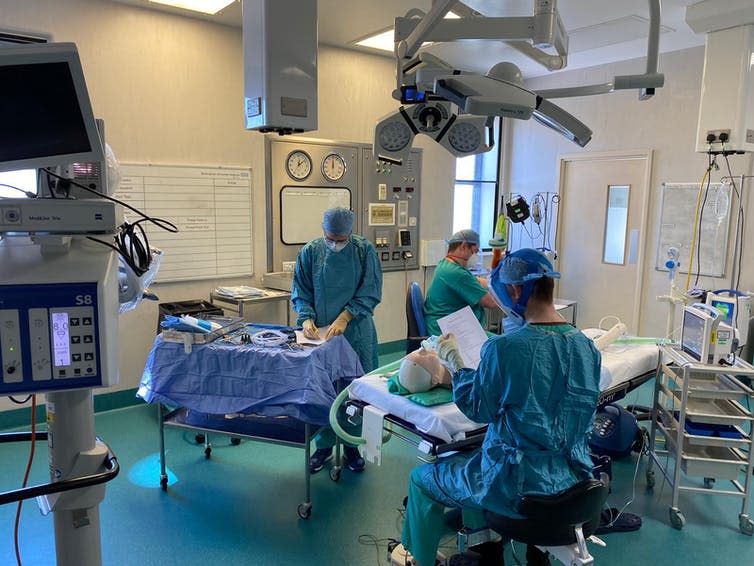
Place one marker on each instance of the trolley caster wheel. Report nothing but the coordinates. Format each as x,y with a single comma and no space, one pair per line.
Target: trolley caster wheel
746,525
709,483
199,438
650,479
235,441
677,520
305,510
164,483
207,452
335,473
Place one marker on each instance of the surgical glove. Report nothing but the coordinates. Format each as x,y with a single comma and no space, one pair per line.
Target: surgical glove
310,330
449,353
338,326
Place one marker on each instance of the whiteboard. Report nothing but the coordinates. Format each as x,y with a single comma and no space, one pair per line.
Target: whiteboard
301,210
677,224
211,208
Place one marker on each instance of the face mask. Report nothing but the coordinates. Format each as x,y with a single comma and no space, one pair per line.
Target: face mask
512,321
335,246
473,261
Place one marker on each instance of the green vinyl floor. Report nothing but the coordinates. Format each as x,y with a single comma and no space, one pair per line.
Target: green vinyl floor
240,507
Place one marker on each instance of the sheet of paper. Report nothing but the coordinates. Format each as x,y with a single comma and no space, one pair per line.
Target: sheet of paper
469,333
301,339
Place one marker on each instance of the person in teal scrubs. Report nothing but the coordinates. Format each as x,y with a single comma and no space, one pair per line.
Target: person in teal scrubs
454,286
537,388
338,283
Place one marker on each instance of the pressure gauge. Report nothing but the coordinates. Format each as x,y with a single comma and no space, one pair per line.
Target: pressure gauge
333,167
298,165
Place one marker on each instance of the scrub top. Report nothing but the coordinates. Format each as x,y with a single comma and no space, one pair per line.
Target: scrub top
453,287
326,282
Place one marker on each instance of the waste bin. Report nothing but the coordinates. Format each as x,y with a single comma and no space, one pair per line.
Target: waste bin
193,307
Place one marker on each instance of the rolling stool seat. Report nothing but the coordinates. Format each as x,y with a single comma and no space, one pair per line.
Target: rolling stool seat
558,524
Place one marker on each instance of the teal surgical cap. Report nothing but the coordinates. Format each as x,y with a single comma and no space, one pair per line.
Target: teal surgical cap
468,235
338,221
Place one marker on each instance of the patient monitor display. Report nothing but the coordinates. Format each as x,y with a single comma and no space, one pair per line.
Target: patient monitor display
694,333
45,113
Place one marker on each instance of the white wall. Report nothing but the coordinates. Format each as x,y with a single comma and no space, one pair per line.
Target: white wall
170,91
665,124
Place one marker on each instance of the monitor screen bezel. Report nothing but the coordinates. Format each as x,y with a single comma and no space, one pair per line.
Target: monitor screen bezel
703,321
732,302
67,53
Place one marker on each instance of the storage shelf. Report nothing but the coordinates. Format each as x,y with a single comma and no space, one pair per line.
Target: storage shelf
715,441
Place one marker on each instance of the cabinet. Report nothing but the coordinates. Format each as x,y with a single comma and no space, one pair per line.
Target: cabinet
702,420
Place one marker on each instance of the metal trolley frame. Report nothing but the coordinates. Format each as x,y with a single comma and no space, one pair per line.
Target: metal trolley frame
265,431
706,430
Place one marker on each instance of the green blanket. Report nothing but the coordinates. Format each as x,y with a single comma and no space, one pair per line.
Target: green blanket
435,396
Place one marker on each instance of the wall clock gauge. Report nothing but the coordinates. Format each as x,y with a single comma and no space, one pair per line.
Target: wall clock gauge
333,167
298,165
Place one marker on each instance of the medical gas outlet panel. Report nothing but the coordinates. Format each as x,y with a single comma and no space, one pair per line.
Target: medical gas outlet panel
390,204
306,176
49,337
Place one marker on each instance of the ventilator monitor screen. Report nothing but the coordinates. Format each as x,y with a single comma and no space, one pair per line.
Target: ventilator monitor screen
726,308
692,334
45,114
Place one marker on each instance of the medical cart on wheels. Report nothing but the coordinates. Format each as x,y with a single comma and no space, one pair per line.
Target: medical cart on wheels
706,429
283,431
222,383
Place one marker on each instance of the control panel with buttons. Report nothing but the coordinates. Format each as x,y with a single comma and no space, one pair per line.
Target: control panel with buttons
49,337
391,203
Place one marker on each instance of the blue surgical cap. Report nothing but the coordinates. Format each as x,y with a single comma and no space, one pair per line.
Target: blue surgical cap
525,265
522,267
468,235
338,221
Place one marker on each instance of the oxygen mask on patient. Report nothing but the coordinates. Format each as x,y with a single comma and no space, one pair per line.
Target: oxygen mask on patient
421,370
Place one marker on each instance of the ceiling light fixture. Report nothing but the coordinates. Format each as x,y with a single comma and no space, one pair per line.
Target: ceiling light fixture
384,40
210,7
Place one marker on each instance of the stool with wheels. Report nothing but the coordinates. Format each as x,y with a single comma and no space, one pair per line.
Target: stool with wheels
559,525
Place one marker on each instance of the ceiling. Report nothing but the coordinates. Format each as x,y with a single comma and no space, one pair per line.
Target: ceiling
600,31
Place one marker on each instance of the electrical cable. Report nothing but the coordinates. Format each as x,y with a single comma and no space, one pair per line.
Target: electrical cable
741,216
26,476
699,241
159,222
371,540
17,402
131,241
696,226
27,193
633,488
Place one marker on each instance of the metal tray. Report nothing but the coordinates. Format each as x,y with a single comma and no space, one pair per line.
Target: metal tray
713,462
228,324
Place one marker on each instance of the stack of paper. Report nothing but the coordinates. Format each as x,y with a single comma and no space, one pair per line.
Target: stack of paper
469,334
240,292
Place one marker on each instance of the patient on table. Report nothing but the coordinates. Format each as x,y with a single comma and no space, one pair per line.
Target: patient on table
421,370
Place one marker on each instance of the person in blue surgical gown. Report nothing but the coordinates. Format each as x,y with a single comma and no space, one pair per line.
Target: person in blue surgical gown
537,387
338,283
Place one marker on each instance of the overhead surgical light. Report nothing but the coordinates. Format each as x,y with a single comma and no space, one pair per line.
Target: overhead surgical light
430,84
460,135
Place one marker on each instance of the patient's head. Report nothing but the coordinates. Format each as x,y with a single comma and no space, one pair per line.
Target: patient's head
421,370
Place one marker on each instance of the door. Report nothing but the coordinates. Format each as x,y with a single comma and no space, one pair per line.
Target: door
601,233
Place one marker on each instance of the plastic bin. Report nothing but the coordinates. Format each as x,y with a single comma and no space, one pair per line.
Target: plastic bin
193,307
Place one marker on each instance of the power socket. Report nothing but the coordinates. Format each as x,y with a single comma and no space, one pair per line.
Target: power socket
717,133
